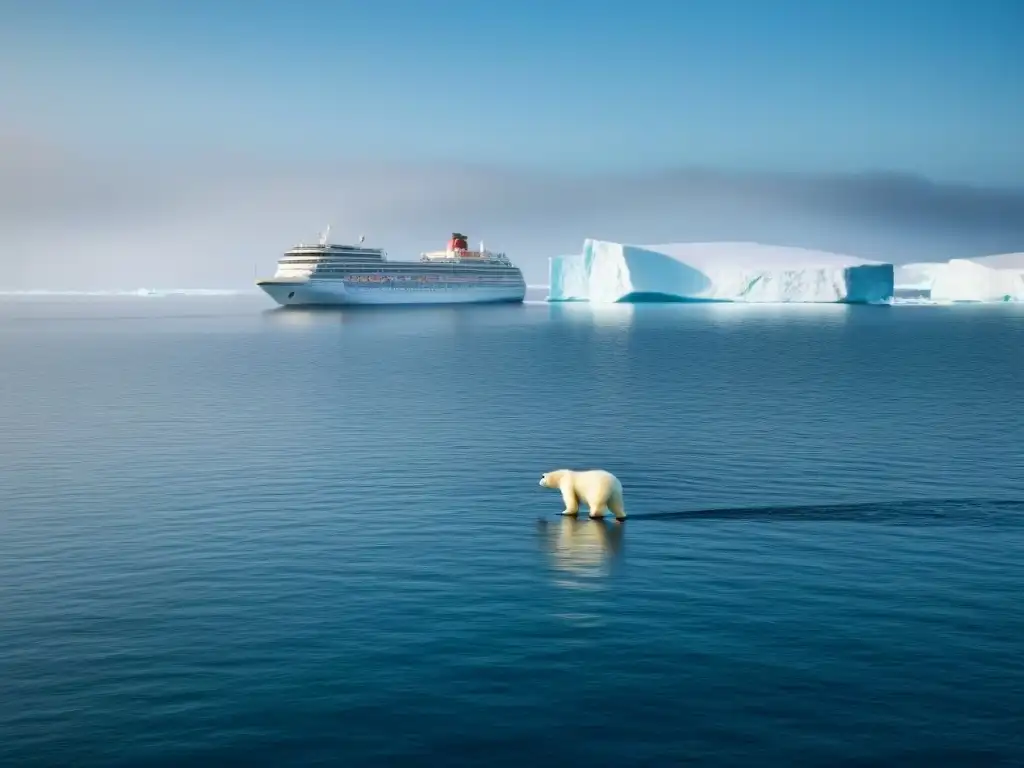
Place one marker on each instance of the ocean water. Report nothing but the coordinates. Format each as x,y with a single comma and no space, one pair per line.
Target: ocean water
237,535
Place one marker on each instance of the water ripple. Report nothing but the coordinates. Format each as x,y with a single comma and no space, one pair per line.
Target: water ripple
236,536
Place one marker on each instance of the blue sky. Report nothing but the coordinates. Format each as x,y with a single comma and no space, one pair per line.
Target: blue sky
931,87
545,90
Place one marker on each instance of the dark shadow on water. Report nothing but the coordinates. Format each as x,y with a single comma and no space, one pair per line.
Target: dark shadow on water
665,298
642,297
906,512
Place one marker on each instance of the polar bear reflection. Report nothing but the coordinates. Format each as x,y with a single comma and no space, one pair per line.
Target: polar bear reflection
582,547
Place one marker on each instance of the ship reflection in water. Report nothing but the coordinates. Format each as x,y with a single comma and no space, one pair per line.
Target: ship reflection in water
582,547
415,318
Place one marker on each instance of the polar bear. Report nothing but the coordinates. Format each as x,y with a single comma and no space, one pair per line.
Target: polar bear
599,489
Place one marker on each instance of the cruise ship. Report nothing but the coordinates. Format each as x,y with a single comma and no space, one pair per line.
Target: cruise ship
329,274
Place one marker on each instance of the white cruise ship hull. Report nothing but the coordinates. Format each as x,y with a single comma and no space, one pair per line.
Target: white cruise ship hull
313,292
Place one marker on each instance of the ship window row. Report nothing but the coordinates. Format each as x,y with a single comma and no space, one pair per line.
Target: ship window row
436,276
403,265
411,269
331,261
398,278
431,268
418,269
338,252
441,276
424,269
515,277
343,256
377,269
436,284
372,257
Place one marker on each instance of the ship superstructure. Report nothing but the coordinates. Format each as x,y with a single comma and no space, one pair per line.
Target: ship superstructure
331,274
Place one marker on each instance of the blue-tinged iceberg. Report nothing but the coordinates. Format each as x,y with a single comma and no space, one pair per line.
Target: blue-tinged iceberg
983,280
606,273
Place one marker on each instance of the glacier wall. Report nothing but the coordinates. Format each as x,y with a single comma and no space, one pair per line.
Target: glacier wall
986,279
607,272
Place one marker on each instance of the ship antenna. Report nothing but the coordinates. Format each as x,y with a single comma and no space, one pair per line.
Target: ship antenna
323,237
361,239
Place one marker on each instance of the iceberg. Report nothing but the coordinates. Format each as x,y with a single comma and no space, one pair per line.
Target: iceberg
985,279
607,272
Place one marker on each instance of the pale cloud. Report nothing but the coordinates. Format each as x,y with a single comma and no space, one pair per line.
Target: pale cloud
69,220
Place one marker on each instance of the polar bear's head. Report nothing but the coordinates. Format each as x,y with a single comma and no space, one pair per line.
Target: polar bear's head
552,479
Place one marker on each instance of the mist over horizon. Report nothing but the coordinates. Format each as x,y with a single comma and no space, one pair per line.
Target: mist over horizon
70,221
145,145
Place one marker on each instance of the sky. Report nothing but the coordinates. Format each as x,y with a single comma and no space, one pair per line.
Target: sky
189,142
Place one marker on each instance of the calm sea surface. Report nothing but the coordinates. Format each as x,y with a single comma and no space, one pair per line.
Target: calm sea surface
231,534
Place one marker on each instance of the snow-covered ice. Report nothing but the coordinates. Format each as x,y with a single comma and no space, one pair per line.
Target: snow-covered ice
607,272
985,279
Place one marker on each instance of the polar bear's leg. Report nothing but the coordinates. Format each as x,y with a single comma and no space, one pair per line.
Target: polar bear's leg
616,506
572,505
597,509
